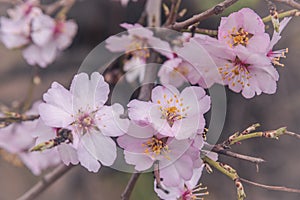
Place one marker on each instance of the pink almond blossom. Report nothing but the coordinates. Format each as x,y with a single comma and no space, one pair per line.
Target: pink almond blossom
244,28
275,55
176,72
15,30
49,37
172,113
137,43
186,190
143,146
92,123
18,139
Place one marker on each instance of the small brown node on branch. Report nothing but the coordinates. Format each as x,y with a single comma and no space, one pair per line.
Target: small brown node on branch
218,9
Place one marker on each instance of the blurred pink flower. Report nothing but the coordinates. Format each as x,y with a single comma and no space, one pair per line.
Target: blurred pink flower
49,37
15,30
172,113
143,146
82,110
244,28
175,72
18,139
137,44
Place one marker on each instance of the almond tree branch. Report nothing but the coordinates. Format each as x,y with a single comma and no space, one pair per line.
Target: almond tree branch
288,13
245,135
221,150
130,186
173,12
292,134
15,117
291,3
270,187
202,31
46,181
229,172
204,15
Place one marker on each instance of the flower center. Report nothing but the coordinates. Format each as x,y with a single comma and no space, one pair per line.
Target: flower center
236,74
183,70
240,36
172,114
59,27
138,48
84,122
174,110
155,147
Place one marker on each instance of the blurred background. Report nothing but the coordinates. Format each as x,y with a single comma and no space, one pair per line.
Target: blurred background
98,20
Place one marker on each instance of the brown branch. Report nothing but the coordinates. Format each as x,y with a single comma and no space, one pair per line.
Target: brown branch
292,134
204,15
130,186
201,31
270,187
18,118
46,181
291,3
221,150
173,12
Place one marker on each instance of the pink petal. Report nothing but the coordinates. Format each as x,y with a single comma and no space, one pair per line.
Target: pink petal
100,147
140,161
87,160
110,122
68,154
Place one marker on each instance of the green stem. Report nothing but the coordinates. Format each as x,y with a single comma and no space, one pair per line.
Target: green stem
229,172
288,13
267,134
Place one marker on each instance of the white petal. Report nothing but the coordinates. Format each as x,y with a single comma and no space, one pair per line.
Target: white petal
101,147
87,160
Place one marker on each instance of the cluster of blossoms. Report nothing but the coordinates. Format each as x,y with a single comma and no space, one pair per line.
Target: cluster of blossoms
40,36
242,56
17,139
164,133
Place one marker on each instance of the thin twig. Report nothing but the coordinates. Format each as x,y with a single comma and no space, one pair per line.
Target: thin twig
19,118
288,13
292,134
204,15
173,12
221,150
130,186
46,181
230,173
202,31
271,187
238,137
291,3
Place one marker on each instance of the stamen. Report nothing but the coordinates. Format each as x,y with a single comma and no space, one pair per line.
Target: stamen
156,147
241,37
